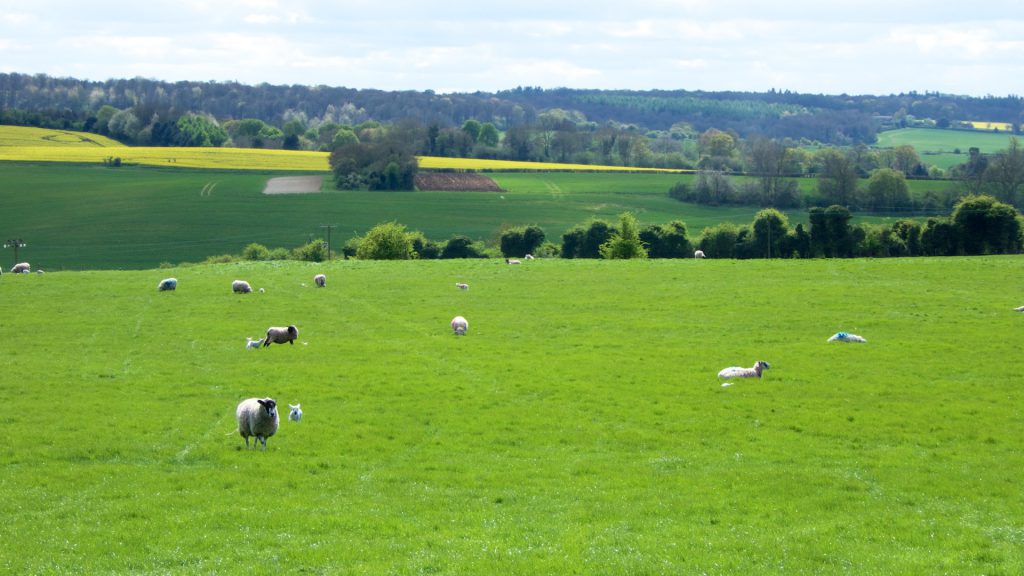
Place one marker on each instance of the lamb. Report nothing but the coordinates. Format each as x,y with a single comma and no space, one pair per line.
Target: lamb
698,254
21,268
846,337
280,335
167,284
462,286
460,325
739,372
251,344
296,414
241,287
508,261
257,417
320,280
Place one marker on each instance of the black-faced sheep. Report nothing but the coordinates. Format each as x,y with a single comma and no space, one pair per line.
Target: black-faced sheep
462,286
460,325
739,372
167,284
320,280
846,337
257,417
241,287
280,335
512,261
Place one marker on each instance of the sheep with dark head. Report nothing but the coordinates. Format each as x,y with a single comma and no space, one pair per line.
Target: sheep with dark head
21,268
320,280
167,284
241,287
280,335
257,417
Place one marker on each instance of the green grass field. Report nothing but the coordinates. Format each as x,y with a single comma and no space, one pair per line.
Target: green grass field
578,428
937,147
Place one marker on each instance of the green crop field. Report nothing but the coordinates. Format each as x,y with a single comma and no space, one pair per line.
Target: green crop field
938,147
579,427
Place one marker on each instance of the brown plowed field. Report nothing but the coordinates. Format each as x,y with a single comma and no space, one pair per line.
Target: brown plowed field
455,182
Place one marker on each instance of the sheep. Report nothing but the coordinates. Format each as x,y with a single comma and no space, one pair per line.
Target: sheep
257,417
698,254
462,286
251,344
262,290
508,261
241,287
460,325
1019,309
21,268
167,284
296,413
320,280
280,335
739,372
846,337
528,257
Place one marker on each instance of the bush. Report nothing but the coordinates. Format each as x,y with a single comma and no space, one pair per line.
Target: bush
279,254
256,252
315,251
462,247
387,241
520,241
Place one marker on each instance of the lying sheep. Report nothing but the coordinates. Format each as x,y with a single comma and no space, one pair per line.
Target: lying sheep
460,325
167,284
296,413
320,280
462,286
251,344
21,268
241,287
528,257
280,335
508,261
1019,309
739,372
698,254
846,337
257,417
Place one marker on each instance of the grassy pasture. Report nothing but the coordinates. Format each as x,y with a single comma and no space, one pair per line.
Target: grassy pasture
578,428
937,146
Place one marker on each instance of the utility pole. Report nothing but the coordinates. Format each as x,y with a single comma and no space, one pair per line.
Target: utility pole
15,244
329,228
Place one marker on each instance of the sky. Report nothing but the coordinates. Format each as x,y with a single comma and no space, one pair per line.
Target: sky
809,46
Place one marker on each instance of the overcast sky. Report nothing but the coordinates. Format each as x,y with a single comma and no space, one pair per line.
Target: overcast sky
811,46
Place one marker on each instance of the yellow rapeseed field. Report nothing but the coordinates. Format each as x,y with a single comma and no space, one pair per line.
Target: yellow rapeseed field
1001,126
29,136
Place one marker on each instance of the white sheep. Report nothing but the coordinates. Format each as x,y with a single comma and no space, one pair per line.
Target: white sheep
257,417
528,257
280,335
241,287
262,290
846,337
508,261
739,372
21,268
698,254
1019,309
167,284
320,280
296,413
251,344
460,325
462,286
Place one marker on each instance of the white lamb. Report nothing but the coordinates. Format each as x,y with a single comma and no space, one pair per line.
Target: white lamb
846,337
460,325
698,254
280,335
739,372
320,280
257,417
462,286
296,413
251,344
241,287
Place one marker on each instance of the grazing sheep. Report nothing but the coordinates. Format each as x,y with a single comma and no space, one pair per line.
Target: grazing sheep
698,254
528,257
507,261
241,287
21,268
280,335
296,414
846,337
460,325
462,286
739,372
320,280
251,344
1019,309
257,417
167,284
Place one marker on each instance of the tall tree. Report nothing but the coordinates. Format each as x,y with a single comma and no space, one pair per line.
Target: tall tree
837,182
625,244
1004,174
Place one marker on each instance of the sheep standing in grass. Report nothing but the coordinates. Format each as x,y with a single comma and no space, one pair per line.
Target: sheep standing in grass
320,280
460,325
251,344
739,372
241,287
846,337
21,268
296,412
167,284
698,254
257,417
280,335
462,286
